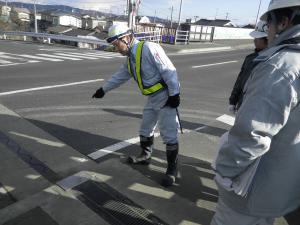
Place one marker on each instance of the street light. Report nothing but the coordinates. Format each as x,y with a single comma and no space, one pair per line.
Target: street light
35,19
258,12
179,13
171,21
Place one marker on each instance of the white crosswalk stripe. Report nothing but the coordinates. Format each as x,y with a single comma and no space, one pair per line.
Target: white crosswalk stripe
13,59
88,55
59,57
5,61
42,58
100,54
2,56
82,56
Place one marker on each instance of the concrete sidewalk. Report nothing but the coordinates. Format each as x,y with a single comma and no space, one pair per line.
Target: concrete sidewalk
44,181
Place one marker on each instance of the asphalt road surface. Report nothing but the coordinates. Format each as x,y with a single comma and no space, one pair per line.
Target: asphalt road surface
46,90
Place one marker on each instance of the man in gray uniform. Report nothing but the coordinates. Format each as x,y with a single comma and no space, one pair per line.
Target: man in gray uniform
266,132
157,78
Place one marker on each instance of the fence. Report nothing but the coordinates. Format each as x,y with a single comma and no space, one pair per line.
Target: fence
182,37
154,36
201,33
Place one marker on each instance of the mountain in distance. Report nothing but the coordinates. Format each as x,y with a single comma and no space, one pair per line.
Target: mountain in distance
58,8
72,10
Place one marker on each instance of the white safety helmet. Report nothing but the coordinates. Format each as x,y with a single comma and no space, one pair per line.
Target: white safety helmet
261,30
280,4
117,31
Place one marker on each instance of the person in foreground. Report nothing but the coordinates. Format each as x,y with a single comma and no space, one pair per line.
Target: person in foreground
266,132
260,42
157,79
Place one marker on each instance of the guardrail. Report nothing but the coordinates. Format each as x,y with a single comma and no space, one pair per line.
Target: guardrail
154,36
49,37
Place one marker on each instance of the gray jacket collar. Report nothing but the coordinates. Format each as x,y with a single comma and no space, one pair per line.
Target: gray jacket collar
288,34
275,45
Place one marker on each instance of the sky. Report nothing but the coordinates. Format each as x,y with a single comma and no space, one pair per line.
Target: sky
238,11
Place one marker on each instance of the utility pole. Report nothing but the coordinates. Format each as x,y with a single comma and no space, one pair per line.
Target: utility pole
258,12
196,17
179,13
35,19
171,24
6,3
216,13
127,8
132,14
154,16
227,15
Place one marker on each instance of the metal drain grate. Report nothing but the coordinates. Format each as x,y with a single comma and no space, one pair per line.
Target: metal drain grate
115,208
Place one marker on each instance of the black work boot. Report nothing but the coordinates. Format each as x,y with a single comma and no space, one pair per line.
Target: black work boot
144,158
172,170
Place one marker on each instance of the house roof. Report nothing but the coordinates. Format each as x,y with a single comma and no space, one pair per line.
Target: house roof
216,22
59,29
65,14
58,13
22,10
101,36
78,32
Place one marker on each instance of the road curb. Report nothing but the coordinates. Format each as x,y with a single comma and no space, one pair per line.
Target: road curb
205,49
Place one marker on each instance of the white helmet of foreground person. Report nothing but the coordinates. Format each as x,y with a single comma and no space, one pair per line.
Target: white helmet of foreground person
280,4
261,30
117,31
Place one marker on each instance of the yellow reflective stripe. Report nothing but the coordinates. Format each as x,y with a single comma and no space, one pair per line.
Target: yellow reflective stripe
145,91
138,65
129,66
152,89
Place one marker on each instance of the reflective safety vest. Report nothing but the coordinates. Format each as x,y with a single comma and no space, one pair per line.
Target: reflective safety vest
145,90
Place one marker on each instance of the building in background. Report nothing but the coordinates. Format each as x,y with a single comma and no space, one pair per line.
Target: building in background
22,14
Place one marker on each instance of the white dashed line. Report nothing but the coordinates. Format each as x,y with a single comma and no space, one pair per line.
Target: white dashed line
227,119
214,64
112,148
49,87
41,58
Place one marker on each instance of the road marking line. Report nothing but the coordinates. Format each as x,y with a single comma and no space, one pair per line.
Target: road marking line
214,64
56,49
5,61
110,54
75,56
15,64
227,119
10,57
120,145
41,58
59,57
49,87
115,147
89,55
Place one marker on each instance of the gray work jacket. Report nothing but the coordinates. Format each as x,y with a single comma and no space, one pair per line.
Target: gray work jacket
155,66
268,126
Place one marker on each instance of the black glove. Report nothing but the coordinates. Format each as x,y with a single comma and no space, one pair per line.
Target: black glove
99,93
173,101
